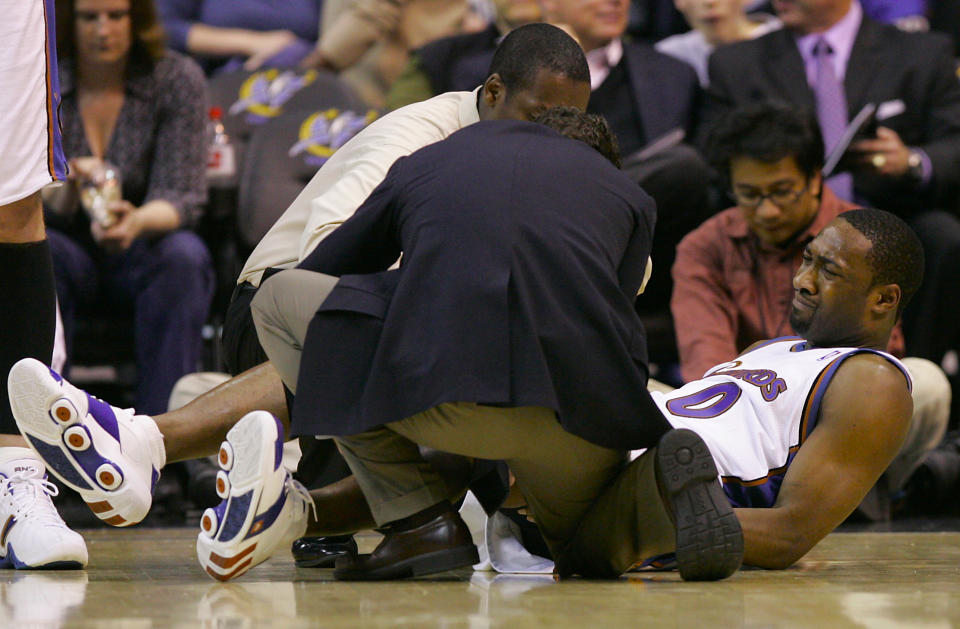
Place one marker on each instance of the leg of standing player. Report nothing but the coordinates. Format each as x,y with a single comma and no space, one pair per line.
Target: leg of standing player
31,157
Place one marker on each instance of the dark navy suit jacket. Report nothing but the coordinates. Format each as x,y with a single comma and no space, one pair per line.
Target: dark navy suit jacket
522,254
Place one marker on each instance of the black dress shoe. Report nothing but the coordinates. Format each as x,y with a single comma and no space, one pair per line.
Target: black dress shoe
322,552
709,537
441,543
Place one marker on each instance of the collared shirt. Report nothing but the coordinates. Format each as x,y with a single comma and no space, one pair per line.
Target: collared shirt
730,290
159,140
348,178
600,60
840,37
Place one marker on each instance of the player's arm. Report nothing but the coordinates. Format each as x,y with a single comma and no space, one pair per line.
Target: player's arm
863,421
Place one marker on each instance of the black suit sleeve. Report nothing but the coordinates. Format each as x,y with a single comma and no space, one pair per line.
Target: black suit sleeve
367,242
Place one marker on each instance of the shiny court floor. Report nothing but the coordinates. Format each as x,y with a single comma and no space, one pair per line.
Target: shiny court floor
149,578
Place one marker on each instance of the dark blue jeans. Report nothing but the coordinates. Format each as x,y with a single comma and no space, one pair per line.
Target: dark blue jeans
166,283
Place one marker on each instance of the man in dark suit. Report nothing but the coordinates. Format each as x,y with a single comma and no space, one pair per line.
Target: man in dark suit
507,333
643,94
912,165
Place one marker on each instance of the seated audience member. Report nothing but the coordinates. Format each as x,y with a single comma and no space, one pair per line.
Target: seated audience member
732,274
832,59
128,102
367,41
459,62
232,34
714,23
645,96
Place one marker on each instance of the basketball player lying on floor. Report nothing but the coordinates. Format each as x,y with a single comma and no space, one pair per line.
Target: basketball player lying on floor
800,428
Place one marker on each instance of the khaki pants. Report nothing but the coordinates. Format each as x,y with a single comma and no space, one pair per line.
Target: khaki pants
560,474
931,413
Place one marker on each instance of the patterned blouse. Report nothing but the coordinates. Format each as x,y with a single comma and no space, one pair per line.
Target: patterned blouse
160,138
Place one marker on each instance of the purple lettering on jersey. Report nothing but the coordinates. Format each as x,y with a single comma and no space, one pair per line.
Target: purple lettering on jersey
766,379
720,397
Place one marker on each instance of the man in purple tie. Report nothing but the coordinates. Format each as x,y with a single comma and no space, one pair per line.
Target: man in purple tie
833,60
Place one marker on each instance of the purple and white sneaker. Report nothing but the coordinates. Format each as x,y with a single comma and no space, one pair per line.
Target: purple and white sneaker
110,456
263,508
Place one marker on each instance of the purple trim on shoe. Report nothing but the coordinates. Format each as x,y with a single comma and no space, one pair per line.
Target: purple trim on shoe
55,375
154,478
12,561
103,414
6,529
278,445
268,517
236,515
54,457
90,460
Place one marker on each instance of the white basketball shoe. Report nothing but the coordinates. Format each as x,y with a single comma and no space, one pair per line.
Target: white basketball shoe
110,456
263,508
32,534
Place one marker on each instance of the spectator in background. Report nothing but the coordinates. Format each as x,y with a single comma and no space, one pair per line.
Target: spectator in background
832,59
367,41
714,23
646,97
732,275
460,62
129,102
230,34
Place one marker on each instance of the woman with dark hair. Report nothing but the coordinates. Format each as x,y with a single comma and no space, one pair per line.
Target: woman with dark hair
128,102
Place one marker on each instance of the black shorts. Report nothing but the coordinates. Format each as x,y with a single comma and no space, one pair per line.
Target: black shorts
241,347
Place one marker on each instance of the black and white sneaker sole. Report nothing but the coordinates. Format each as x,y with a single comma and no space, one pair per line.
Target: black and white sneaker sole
709,537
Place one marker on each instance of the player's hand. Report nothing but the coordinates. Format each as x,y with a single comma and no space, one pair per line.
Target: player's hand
265,45
885,155
120,234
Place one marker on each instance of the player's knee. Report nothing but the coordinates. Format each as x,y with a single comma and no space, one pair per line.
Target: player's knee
22,221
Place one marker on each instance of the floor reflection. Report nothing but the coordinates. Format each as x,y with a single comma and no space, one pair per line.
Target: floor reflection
145,579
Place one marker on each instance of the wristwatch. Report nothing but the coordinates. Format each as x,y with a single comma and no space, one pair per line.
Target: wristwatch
915,165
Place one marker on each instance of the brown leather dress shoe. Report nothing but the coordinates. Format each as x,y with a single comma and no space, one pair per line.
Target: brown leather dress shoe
442,543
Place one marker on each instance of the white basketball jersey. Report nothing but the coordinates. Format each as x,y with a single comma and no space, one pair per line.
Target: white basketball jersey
755,412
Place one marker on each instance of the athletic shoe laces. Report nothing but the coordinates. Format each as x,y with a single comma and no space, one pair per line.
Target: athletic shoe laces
300,490
29,497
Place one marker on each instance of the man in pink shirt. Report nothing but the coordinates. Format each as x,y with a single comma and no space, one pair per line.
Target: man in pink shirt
733,274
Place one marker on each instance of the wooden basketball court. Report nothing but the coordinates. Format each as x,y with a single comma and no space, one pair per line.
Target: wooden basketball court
149,578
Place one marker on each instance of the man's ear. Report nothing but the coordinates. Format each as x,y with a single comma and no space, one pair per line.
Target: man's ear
886,299
494,91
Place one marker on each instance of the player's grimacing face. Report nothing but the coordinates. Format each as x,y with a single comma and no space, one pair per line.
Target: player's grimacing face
832,286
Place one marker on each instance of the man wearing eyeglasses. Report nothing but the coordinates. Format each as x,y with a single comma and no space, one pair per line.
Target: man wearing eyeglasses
732,275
